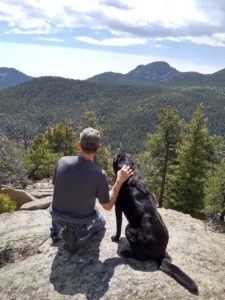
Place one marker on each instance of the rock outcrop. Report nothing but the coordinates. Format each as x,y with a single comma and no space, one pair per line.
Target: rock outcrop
33,268
37,204
20,197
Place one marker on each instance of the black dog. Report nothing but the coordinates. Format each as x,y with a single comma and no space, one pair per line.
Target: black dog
146,232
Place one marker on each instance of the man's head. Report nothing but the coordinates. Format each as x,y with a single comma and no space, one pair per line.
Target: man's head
90,140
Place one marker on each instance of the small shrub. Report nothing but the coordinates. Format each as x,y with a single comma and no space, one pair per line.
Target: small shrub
6,204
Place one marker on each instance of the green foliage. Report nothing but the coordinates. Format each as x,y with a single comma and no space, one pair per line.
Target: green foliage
47,148
149,169
6,204
186,188
39,160
216,150
104,160
127,113
89,119
215,190
160,149
61,139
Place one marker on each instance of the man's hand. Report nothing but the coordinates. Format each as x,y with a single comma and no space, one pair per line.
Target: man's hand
123,174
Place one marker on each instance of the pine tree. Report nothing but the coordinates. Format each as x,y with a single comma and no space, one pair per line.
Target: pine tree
39,160
61,139
47,148
160,149
186,188
215,191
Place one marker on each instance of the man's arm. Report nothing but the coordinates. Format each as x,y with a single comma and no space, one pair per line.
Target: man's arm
122,176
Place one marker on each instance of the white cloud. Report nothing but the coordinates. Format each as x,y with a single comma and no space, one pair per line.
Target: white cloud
215,40
27,32
51,40
112,41
198,21
116,3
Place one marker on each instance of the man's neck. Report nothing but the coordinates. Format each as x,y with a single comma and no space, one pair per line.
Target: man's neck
88,156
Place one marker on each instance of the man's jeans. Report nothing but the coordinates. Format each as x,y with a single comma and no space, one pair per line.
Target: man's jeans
85,230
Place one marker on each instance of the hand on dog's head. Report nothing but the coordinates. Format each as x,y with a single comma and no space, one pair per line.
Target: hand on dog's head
121,159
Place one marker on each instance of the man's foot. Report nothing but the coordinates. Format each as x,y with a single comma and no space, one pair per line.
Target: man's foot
55,237
70,240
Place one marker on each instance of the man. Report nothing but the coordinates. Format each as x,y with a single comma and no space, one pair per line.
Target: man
78,181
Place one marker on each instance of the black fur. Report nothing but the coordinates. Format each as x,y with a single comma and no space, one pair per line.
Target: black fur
146,232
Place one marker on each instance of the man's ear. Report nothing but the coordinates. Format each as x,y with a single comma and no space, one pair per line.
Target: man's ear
78,146
99,147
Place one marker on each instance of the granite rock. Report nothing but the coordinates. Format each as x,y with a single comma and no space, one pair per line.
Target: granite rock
96,271
20,197
37,204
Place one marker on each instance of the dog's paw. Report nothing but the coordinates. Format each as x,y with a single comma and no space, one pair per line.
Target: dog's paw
115,239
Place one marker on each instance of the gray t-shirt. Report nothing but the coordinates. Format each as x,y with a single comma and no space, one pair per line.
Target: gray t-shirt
77,184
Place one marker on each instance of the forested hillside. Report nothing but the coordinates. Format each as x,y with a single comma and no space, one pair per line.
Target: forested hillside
10,77
127,113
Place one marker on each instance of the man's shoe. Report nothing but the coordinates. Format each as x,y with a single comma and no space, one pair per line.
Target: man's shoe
55,237
70,240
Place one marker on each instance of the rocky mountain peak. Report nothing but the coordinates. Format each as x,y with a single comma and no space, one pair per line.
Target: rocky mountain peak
156,71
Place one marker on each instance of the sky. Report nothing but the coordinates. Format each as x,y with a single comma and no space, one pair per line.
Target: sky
81,38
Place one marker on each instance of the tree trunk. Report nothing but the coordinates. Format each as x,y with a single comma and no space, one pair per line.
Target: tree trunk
222,216
162,188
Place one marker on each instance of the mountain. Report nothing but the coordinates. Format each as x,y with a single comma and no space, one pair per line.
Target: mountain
127,113
155,72
108,77
160,73
10,77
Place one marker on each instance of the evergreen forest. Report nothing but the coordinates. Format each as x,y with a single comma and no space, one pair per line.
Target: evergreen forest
174,134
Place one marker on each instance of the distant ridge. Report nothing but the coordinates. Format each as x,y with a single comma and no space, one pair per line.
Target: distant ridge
126,112
160,73
10,77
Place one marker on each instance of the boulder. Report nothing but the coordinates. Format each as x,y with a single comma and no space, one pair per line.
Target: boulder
18,196
39,194
96,271
37,204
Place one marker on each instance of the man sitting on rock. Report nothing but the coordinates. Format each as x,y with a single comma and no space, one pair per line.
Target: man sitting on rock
78,181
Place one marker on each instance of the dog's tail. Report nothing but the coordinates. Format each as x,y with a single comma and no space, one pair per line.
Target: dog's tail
176,273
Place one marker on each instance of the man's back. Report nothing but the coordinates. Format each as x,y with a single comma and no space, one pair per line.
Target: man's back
77,184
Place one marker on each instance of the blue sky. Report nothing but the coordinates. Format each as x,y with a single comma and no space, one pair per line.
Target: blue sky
81,38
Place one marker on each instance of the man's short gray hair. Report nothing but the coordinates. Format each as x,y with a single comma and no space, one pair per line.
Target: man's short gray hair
90,139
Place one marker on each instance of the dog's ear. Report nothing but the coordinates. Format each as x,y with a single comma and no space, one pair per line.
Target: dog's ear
131,162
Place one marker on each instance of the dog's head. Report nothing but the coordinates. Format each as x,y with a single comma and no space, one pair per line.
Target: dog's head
121,159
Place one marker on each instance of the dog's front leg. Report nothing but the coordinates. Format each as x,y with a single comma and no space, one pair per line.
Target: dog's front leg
116,237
